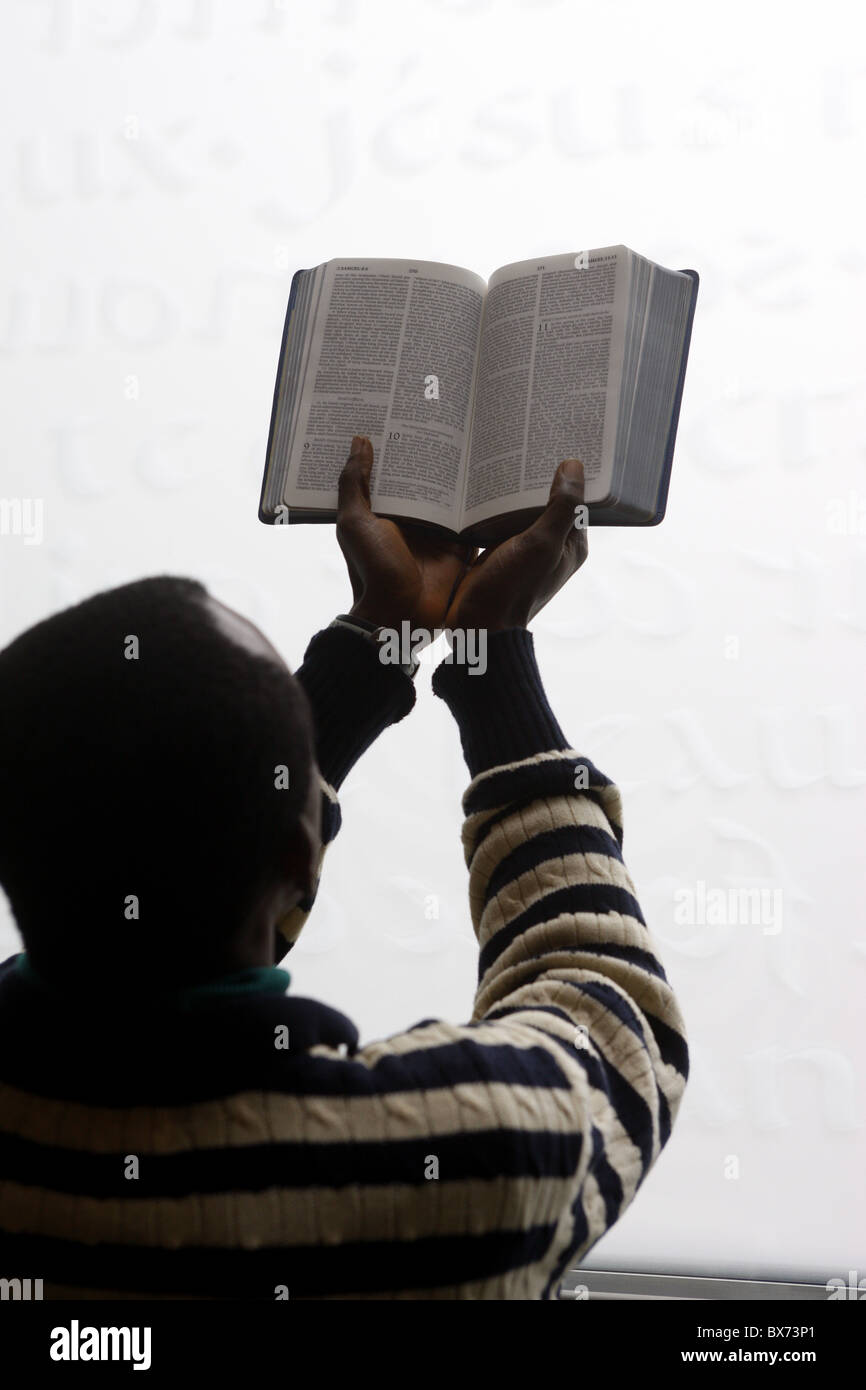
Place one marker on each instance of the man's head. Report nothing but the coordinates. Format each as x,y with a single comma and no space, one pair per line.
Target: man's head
159,801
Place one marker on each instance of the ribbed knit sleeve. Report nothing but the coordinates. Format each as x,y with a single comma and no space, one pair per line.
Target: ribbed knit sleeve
573,1003
353,695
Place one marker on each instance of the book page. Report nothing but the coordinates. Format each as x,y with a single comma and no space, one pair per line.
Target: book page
549,373
392,355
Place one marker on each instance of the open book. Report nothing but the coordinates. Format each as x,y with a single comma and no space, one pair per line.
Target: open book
472,392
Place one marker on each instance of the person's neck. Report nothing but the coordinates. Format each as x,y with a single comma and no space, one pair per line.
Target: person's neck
242,980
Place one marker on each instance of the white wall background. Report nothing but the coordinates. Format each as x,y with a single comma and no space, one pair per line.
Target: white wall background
167,166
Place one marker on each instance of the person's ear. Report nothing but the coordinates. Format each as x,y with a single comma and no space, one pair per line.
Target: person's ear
301,858
303,862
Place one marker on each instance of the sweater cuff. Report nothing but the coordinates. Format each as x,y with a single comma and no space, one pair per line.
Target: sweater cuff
502,713
353,697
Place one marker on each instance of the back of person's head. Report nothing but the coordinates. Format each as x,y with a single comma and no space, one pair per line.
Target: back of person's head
143,806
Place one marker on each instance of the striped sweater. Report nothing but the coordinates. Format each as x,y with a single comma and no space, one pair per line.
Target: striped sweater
236,1141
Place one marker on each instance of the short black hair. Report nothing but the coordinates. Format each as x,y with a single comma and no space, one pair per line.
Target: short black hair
140,750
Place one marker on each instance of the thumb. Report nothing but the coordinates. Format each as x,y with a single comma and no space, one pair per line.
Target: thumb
566,493
353,488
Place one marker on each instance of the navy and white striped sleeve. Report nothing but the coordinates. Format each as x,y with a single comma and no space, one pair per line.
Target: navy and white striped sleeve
572,998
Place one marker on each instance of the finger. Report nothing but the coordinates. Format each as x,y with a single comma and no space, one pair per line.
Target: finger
353,488
469,562
458,580
557,522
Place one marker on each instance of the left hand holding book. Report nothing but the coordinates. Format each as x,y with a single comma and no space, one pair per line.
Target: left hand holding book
404,573
398,572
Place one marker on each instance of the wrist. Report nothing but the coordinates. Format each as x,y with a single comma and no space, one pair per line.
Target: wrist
479,622
502,710
360,616
353,698
370,631
375,615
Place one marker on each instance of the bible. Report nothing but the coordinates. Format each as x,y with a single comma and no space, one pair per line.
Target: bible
473,391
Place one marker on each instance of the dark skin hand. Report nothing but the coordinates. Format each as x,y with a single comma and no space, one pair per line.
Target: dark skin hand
512,581
404,572
397,571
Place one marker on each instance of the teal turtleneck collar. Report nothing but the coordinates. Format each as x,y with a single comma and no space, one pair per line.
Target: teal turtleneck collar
255,979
